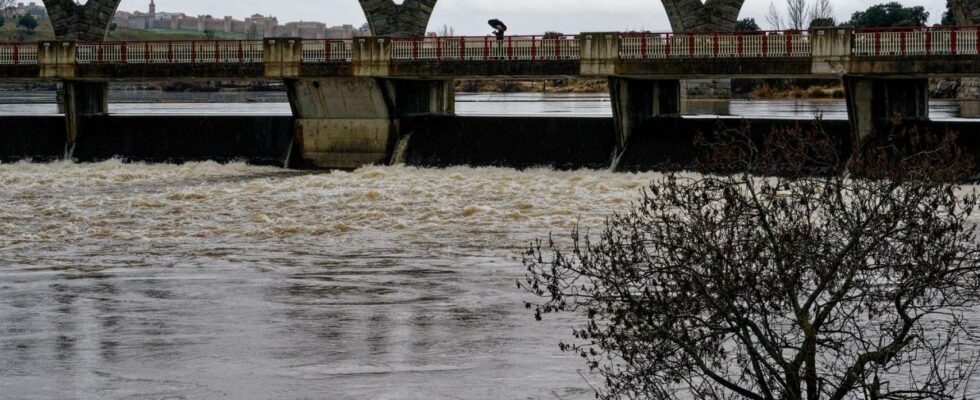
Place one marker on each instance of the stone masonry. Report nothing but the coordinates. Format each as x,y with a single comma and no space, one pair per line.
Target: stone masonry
88,22
389,19
712,15
967,12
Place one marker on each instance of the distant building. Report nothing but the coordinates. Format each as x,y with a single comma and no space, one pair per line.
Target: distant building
22,9
255,27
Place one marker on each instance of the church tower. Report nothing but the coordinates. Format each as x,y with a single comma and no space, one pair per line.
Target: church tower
153,10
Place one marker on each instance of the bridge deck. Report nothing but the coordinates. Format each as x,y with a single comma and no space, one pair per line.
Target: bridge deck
942,51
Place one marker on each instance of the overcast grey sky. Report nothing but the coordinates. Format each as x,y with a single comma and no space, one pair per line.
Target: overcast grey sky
468,17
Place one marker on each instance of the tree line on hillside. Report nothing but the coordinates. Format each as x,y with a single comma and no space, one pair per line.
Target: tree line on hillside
805,14
27,21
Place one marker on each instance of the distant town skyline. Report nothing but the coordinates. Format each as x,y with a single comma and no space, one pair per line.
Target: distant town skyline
468,17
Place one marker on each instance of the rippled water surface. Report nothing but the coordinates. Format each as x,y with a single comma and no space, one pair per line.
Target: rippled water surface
134,102
205,281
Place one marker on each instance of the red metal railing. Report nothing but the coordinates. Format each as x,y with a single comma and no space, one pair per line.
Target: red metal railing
917,41
170,52
327,50
468,48
18,53
751,44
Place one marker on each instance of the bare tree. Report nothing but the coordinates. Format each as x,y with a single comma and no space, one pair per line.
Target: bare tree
808,283
800,14
822,9
797,14
774,18
4,4
446,31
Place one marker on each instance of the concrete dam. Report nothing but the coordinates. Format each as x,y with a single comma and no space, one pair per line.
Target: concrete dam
388,98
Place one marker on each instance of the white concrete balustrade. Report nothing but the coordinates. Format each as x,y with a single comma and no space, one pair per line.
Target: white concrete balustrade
715,45
322,51
170,52
18,53
918,42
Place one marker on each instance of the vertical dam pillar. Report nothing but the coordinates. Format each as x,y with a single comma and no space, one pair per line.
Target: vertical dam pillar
76,98
350,122
637,101
873,103
76,22
347,123
80,99
707,16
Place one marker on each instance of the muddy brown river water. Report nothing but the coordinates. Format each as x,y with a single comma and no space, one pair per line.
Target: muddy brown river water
232,281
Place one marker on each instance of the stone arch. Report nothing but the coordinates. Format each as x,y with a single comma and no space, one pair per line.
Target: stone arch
712,15
386,18
88,22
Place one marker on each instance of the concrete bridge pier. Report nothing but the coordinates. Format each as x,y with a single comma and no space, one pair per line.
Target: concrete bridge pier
873,103
637,101
79,99
347,123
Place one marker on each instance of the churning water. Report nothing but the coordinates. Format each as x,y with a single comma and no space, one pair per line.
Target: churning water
205,280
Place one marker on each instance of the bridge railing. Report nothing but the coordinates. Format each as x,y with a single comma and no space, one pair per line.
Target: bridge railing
922,41
18,53
765,44
329,50
170,52
509,48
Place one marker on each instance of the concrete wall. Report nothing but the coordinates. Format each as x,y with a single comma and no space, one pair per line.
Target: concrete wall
518,142
38,138
351,122
260,140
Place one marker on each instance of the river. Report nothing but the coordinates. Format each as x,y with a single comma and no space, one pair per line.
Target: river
136,102
202,280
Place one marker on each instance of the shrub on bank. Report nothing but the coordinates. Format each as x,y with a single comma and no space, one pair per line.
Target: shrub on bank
784,271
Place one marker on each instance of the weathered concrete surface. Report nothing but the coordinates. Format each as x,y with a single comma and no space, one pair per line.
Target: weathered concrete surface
897,66
386,18
635,101
519,142
89,22
254,139
37,138
515,142
873,103
668,143
263,140
81,99
720,67
20,72
555,69
120,72
351,122
965,13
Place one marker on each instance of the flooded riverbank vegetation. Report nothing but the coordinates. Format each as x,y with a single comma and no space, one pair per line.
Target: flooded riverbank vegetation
786,269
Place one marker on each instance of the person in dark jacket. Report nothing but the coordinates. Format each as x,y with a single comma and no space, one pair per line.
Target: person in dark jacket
499,31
